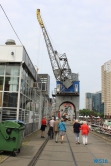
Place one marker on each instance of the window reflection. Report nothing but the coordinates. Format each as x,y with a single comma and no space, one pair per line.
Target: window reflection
24,102
10,99
1,83
0,99
13,69
2,67
11,83
21,101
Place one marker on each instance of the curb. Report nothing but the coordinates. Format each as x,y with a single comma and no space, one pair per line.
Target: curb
100,136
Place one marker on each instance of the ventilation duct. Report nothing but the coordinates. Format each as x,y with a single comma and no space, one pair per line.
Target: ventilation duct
10,42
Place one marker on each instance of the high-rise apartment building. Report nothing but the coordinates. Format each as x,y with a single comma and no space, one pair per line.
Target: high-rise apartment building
97,105
88,101
93,102
106,87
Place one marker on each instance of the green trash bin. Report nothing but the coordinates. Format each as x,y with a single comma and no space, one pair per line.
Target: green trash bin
11,136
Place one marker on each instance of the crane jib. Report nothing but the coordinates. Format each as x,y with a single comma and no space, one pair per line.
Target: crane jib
59,62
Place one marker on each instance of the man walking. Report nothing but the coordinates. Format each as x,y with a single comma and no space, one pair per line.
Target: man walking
51,123
56,129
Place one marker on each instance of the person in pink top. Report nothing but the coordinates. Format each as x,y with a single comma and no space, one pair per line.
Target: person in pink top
84,131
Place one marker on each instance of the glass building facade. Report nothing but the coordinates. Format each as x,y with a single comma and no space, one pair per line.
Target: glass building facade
19,100
97,105
93,102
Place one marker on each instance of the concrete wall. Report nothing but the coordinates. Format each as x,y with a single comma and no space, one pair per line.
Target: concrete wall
71,99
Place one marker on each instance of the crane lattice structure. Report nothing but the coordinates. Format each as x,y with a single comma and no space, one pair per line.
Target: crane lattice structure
59,62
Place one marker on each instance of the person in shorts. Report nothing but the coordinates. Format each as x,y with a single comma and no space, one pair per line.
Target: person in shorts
62,129
43,126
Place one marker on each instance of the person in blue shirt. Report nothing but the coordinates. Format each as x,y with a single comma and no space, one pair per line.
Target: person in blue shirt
62,129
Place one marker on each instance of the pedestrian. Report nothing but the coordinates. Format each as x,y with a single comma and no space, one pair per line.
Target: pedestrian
62,129
51,123
43,126
56,129
84,131
76,129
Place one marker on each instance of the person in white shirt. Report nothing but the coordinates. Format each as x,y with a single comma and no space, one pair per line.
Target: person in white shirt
51,123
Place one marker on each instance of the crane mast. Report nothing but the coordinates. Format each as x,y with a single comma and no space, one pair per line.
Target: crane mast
58,61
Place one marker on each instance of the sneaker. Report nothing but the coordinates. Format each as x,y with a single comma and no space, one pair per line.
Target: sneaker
78,142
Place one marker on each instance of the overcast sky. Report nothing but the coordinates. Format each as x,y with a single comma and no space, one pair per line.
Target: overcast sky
79,28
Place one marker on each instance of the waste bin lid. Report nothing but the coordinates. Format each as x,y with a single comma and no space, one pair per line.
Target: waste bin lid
11,124
18,121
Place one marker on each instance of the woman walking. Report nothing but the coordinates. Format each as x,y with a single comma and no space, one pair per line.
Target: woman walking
76,128
84,132
62,129
56,129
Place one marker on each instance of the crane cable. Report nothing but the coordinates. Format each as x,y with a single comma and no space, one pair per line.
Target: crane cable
10,24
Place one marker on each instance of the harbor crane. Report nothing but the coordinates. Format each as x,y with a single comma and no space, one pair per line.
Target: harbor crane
59,62
67,83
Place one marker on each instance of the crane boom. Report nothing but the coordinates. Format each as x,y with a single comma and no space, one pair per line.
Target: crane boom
59,62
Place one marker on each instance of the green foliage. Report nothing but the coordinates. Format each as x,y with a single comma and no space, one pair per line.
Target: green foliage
87,112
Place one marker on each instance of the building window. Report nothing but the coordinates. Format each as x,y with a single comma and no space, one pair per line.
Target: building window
11,83
0,99
2,67
10,99
43,86
1,83
13,69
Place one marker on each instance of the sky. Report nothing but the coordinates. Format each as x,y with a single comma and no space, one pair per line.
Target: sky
79,28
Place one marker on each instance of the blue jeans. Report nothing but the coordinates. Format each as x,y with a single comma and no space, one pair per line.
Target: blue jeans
77,137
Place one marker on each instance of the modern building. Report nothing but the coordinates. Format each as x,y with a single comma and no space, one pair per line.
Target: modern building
97,105
106,88
45,86
88,101
93,102
18,98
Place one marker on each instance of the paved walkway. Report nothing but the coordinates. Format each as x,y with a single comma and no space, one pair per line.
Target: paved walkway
58,154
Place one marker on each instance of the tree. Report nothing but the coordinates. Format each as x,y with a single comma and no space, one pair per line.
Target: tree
86,112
